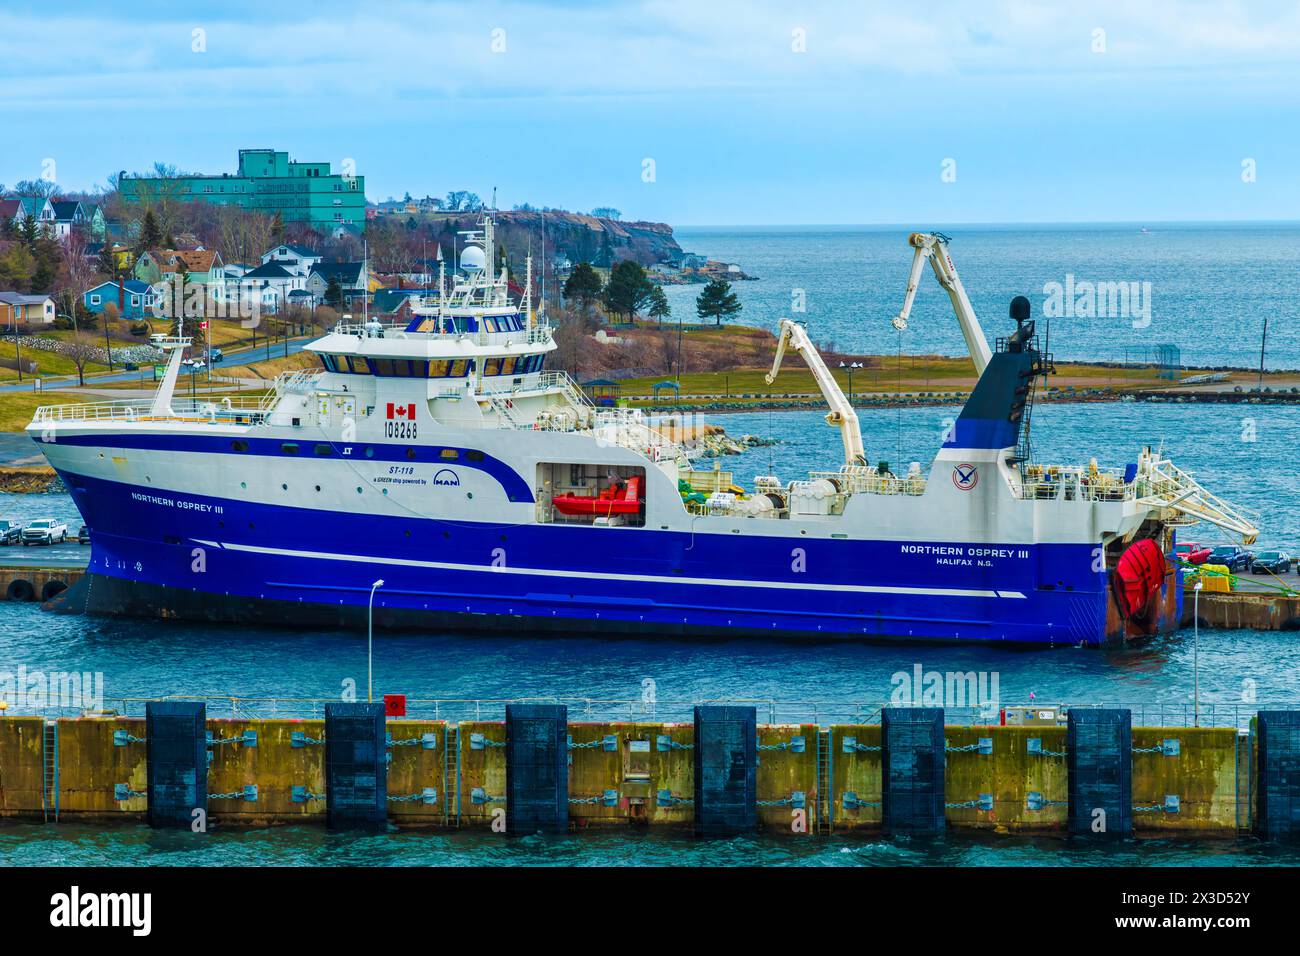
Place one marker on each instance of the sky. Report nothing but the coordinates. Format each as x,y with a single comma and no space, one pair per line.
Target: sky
682,111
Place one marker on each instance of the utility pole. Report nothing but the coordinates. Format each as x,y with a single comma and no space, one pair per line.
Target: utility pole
1262,342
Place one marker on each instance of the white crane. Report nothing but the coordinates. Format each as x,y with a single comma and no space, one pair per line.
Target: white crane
934,246
841,415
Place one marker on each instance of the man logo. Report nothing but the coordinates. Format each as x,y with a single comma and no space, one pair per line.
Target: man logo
447,477
406,412
965,476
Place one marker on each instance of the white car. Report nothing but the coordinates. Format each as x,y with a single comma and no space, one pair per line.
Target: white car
45,531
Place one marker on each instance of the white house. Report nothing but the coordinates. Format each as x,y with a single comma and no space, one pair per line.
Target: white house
296,260
270,283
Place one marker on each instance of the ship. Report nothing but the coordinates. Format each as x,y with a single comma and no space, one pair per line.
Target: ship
434,472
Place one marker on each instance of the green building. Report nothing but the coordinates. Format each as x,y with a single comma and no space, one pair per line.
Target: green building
267,181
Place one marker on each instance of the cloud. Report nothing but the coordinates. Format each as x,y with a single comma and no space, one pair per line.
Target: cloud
361,55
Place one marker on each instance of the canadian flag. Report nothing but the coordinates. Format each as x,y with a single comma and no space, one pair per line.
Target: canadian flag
401,411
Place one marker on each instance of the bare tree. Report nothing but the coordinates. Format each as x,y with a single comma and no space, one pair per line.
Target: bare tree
81,349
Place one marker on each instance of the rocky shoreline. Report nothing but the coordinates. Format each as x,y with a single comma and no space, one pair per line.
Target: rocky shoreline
32,480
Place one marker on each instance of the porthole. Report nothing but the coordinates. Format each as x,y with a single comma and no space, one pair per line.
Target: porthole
239,445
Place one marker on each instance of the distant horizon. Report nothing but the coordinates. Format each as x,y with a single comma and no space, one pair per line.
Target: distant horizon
929,225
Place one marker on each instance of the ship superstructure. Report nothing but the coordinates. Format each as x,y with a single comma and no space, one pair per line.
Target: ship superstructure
441,455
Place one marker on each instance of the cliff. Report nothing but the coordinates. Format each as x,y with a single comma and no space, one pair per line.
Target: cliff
579,237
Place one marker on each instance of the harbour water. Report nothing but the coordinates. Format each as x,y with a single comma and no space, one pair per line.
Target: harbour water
1211,285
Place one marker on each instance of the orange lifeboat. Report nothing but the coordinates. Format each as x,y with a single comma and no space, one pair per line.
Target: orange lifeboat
617,499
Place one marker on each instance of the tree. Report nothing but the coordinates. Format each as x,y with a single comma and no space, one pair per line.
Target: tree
334,293
583,284
607,212
628,289
81,349
657,306
717,301
150,233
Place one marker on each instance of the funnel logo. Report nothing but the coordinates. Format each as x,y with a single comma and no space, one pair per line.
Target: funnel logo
965,476
447,478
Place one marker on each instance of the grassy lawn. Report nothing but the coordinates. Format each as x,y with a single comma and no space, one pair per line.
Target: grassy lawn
17,408
47,363
883,374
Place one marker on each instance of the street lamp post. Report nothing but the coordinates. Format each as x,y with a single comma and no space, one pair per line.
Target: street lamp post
851,366
1196,654
370,642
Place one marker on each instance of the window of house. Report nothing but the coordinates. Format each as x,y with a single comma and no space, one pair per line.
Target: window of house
95,300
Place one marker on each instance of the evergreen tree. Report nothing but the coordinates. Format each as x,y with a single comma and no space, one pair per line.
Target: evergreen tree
628,289
333,293
658,307
150,233
583,284
717,301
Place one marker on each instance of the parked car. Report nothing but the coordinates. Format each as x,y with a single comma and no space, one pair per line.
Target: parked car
1272,562
45,531
131,367
1192,552
83,536
1232,556
10,532
215,356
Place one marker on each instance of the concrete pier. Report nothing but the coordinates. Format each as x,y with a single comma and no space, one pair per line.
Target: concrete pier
809,779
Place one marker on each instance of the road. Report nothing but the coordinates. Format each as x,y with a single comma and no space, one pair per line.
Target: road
70,554
242,356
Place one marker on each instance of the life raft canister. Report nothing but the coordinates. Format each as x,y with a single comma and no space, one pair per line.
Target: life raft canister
1138,576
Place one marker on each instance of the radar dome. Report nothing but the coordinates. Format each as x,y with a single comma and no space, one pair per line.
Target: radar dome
472,258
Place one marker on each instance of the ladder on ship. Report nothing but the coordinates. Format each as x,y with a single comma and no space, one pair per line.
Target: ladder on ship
502,407
50,770
825,800
451,777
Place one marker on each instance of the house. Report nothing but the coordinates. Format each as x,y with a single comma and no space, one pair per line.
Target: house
351,277
40,209
17,208
270,284
94,216
398,302
132,298
17,309
70,214
296,260
163,265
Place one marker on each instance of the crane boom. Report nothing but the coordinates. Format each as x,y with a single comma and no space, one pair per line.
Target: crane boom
934,247
841,415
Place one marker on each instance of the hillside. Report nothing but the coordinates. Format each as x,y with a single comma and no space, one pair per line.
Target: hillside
580,237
